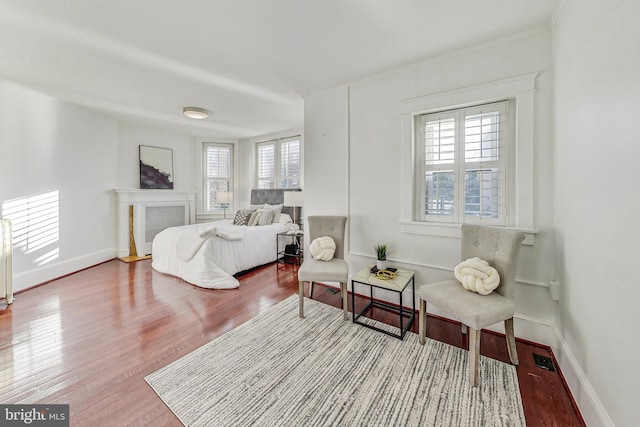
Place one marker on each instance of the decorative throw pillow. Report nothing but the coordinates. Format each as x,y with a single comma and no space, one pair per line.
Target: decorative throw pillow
242,217
476,275
323,248
265,217
253,219
276,211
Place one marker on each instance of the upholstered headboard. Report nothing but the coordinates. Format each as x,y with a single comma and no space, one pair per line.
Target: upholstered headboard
274,196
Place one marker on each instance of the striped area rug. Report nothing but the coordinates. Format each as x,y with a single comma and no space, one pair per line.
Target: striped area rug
280,370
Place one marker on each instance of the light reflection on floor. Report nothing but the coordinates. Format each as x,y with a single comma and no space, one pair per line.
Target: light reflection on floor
38,348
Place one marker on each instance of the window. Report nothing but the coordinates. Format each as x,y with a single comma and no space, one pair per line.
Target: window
461,170
278,163
515,203
218,174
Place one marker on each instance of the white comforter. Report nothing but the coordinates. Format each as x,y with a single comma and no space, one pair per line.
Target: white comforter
198,254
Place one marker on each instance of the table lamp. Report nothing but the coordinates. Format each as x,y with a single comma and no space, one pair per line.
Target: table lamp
294,199
224,198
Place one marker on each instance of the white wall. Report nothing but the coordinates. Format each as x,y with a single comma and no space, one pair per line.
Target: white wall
597,105
326,153
131,136
353,163
51,147
245,154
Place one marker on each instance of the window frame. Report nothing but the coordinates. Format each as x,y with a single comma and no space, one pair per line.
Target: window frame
219,209
278,178
520,90
459,164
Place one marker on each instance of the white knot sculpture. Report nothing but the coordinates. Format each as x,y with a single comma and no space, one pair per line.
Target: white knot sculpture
323,248
477,275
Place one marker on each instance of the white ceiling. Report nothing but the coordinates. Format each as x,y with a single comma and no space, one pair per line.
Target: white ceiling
250,62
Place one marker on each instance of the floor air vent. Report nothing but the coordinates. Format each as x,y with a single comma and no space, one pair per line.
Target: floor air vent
544,362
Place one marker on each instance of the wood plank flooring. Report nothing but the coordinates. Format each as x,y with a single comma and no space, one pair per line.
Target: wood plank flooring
89,339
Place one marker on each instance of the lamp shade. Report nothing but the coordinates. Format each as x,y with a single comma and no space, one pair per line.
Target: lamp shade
224,197
293,198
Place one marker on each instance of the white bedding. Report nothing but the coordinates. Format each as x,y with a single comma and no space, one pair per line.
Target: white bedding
197,253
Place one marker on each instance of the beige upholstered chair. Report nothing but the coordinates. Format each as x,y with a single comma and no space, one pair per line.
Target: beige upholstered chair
499,247
335,270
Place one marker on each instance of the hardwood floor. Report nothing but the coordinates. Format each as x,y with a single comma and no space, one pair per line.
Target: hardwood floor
89,339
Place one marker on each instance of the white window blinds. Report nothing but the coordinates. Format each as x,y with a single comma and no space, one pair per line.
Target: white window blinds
266,165
278,163
290,163
218,174
462,165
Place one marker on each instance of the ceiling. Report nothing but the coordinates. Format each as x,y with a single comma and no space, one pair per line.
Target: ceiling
250,62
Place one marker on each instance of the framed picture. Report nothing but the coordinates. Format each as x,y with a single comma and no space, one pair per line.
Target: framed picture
156,167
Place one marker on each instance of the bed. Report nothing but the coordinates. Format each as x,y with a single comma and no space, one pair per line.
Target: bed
210,254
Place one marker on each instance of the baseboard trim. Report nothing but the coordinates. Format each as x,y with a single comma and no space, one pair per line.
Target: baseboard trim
134,258
591,408
542,332
40,275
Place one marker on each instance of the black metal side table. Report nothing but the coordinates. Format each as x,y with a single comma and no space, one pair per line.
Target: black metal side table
398,284
290,247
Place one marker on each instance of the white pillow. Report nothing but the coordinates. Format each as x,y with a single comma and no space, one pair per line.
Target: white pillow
323,248
285,219
256,207
276,211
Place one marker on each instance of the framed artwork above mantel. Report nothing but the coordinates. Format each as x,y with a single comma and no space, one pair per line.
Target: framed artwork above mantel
156,167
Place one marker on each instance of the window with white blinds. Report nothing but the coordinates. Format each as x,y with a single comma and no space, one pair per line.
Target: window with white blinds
461,170
266,165
278,163
218,174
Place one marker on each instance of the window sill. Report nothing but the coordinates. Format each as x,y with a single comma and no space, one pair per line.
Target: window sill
206,217
453,230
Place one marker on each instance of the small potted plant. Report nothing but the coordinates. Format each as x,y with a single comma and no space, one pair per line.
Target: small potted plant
381,253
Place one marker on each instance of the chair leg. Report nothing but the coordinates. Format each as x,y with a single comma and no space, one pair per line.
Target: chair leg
301,298
511,341
422,319
474,355
345,304
311,290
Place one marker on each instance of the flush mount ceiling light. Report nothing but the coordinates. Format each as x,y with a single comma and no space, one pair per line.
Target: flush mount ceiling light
195,112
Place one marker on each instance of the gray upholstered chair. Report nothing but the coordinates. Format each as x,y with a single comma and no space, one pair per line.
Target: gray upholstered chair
499,247
335,270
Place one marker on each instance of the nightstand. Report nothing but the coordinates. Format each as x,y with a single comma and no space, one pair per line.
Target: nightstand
290,247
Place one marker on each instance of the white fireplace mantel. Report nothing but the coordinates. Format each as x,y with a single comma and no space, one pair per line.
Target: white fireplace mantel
140,199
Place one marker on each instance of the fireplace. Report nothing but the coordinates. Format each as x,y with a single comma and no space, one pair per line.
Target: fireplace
153,211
